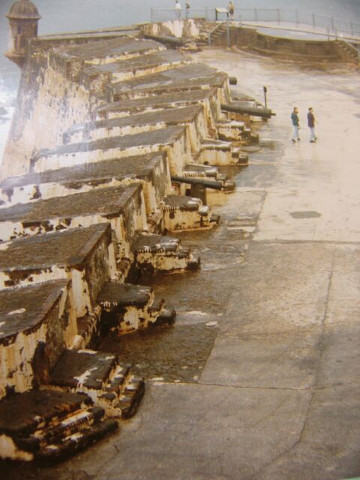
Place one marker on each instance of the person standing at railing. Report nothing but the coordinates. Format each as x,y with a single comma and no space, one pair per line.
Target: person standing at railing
187,9
178,9
231,9
296,125
311,125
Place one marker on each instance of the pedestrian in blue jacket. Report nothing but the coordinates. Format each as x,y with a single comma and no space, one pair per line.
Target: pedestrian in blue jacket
311,125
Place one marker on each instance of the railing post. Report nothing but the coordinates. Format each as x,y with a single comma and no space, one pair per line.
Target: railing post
278,15
332,24
328,33
352,29
297,17
313,18
255,15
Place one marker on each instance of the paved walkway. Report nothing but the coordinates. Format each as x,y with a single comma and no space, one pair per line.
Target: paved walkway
279,397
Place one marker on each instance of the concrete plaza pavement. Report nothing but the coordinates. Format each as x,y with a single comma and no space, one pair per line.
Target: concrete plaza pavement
279,397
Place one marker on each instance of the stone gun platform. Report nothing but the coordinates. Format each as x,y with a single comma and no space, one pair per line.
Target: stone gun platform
122,206
33,218
63,249
188,77
61,255
138,66
104,51
105,149
150,169
23,309
29,316
132,124
84,255
158,101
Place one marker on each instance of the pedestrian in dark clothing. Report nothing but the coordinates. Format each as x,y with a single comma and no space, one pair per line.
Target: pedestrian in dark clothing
311,125
187,9
296,125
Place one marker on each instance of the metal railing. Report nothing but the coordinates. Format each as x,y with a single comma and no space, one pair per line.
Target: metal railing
326,24
291,19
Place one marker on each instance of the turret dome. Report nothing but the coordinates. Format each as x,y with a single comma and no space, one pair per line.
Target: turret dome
23,10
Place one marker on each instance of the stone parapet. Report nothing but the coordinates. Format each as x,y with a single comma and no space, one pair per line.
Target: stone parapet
151,170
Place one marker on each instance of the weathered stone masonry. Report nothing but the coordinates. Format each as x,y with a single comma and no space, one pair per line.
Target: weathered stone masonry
108,130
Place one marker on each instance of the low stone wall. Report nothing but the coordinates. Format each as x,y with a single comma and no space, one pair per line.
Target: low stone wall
251,38
270,44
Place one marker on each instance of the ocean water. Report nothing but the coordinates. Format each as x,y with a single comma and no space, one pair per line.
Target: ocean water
70,15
